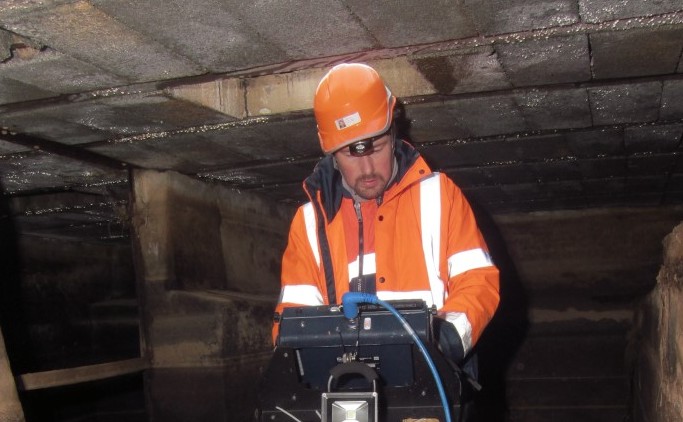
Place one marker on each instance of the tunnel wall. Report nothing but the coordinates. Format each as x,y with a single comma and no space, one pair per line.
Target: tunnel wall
570,281
10,406
658,346
598,252
77,296
207,262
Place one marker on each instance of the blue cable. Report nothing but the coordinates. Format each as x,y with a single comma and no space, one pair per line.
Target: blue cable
350,303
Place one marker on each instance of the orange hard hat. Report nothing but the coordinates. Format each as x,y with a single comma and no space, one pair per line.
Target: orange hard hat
351,103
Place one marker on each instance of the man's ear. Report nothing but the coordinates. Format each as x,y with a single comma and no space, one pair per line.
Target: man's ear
334,163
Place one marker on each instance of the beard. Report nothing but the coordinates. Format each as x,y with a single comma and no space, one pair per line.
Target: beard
370,186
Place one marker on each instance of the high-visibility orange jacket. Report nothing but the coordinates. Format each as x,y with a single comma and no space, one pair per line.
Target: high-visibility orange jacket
426,246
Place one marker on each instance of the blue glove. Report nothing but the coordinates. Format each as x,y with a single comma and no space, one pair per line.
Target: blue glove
449,340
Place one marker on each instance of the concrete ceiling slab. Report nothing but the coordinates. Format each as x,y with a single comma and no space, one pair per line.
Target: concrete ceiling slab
286,194
484,197
675,187
548,61
568,193
476,153
275,140
6,39
403,77
141,114
69,214
103,117
600,187
214,34
647,185
625,103
488,115
165,113
41,170
47,125
650,165
424,125
266,175
504,173
13,91
596,143
74,226
310,29
494,17
410,22
565,103
473,176
94,199
544,148
67,74
471,70
672,99
538,147
607,10
275,94
639,52
194,152
603,168
546,109
71,28
555,171
666,138
7,148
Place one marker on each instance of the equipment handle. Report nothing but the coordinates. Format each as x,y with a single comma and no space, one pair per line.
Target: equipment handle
352,368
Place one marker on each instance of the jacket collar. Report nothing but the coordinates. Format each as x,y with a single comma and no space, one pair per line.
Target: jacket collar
324,185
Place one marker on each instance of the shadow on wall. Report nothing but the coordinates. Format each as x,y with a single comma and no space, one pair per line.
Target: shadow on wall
12,317
507,330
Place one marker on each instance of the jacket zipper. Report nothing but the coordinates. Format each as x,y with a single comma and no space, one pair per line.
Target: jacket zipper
359,215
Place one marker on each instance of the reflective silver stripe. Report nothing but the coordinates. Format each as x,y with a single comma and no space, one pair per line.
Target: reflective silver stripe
311,230
369,266
462,325
430,220
302,294
467,260
425,295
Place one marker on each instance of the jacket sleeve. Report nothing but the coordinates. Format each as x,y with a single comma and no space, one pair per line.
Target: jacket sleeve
472,279
300,275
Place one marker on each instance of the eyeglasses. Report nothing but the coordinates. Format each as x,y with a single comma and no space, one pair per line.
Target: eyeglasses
366,146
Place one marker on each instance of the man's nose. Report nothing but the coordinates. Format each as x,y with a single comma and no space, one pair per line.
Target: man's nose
366,165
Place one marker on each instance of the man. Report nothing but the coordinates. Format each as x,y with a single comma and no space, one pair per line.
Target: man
380,221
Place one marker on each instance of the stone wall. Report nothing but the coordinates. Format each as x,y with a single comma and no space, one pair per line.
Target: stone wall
207,262
10,406
600,252
66,301
79,303
658,346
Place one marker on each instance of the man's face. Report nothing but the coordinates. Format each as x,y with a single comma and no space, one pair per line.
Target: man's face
367,174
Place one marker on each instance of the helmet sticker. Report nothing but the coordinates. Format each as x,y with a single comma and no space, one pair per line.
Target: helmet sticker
347,121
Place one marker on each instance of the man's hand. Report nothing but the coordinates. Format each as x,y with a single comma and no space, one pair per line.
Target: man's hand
449,340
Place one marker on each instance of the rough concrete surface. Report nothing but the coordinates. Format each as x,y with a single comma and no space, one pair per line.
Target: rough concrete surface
10,406
658,382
